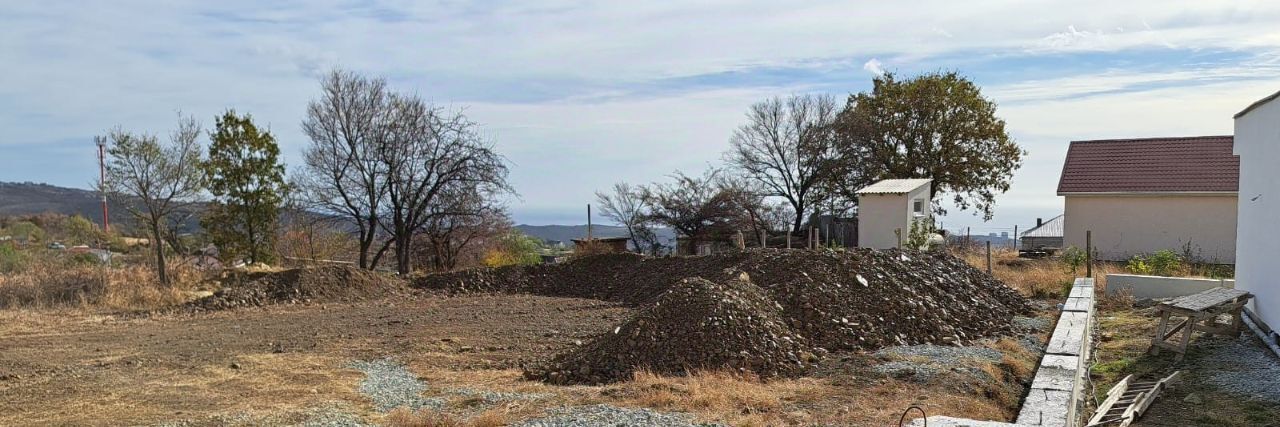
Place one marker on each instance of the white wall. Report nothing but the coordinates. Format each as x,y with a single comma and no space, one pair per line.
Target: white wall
1128,225
880,214
1257,143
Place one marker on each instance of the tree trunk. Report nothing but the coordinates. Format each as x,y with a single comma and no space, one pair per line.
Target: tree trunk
161,271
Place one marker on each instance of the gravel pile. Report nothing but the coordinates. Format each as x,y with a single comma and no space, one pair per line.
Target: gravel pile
389,385
940,354
299,285
822,300
609,416
697,324
1239,365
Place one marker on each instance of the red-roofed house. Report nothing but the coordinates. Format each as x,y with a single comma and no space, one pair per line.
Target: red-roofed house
1142,195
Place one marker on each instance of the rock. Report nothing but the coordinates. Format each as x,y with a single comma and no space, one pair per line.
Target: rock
1193,399
235,365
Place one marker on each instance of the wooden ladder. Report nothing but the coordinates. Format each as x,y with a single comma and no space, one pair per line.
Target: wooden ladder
1128,400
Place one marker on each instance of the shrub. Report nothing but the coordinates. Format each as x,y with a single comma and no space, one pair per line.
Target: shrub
1139,265
515,248
11,260
918,235
1074,257
1159,263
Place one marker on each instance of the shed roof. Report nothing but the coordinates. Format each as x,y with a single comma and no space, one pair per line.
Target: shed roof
1151,165
1257,104
1050,228
894,186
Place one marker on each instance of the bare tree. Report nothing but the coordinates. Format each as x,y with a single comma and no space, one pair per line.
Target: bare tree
626,205
788,149
451,238
156,182
695,207
755,211
430,153
343,174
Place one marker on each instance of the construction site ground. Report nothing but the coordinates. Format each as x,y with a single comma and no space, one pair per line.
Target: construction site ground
297,364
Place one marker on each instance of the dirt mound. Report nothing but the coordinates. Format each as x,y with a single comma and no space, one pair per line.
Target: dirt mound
299,285
671,336
857,299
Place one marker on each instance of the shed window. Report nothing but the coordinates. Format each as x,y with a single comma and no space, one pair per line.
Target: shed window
917,207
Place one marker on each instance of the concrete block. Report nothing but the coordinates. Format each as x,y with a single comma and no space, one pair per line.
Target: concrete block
1069,337
1051,378
1080,291
1078,304
1045,408
1162,287
1060,361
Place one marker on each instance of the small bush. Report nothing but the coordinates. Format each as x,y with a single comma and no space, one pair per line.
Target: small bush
1139,265
1073,258
12,260
1160,263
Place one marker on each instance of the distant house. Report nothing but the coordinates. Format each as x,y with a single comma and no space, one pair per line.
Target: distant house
886,210
1257,142
1046,236
1139,196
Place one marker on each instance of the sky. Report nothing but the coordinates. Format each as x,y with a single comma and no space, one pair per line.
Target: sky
579,95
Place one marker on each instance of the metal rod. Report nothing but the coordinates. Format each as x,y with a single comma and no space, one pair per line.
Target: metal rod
1088,253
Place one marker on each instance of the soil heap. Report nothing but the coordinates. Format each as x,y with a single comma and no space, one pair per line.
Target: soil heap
299,285
744,327
841,300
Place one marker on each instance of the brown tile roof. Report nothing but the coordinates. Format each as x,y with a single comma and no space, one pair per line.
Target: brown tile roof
1151,165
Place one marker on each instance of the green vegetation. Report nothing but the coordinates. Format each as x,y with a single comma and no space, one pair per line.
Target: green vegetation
11,259
1074,258
918,235
25,232
514,248
247,182
1159,263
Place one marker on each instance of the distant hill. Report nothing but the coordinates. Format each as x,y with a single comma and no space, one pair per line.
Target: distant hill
565,233
29,198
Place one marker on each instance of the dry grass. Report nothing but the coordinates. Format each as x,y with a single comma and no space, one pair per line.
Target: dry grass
1040,278
58,284
403,417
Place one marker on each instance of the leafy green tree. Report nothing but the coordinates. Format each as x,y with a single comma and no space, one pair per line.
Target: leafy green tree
26,232
82,231
247,182
936,126
514,248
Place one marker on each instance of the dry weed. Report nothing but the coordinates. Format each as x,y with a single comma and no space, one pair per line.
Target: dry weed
56,284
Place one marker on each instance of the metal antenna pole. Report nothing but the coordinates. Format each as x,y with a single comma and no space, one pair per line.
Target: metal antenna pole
102,181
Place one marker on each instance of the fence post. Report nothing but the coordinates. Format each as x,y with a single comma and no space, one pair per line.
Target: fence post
1015,237
788,238
764,239
1088,253
988,257
898,232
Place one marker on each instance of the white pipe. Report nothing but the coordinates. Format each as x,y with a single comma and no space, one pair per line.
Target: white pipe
1268,341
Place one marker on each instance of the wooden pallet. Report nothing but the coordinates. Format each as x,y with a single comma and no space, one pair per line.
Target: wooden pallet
1128,400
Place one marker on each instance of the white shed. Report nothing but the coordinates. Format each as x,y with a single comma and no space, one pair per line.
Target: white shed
1257,142
887,208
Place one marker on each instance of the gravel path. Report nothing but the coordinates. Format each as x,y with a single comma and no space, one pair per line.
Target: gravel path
609,416
1240,366
389,385
938,353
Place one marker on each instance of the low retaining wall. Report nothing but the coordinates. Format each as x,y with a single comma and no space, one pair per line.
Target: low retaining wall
1162,287
1057,393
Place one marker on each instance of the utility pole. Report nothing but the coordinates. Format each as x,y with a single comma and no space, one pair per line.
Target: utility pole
588,222
102,179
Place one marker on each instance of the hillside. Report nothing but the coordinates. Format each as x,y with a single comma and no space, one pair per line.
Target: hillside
28,198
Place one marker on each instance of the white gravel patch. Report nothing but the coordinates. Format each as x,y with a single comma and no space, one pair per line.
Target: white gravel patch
389,385
609,416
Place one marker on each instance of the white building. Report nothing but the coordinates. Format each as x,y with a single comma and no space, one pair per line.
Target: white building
1257,142
887,208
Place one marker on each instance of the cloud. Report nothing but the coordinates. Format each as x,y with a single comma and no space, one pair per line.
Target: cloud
608,91
874,66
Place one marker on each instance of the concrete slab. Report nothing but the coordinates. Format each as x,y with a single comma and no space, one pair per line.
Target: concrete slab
939,421
1051,378
1140,286
1080,291
1060,361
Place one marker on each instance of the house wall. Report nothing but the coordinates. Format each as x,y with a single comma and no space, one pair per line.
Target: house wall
1128,225
1032,243
880,214
1257,142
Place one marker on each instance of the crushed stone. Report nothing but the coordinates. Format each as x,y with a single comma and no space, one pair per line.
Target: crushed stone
389,385
609,416
1239,366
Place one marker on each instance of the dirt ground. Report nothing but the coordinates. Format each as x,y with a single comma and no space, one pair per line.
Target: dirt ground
1224,381
78,368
